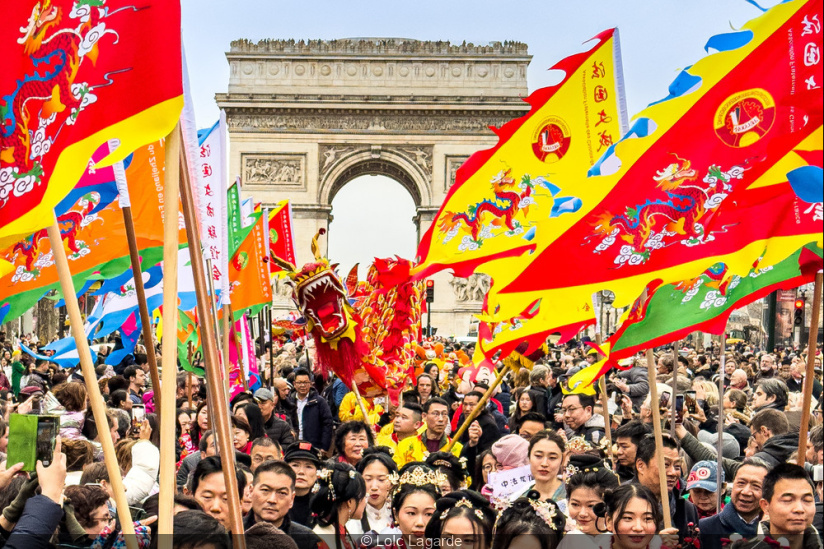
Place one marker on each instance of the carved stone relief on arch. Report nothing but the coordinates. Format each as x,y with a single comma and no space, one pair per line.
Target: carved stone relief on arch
281,170
472,289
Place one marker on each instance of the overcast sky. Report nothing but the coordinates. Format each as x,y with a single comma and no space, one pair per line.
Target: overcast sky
658,38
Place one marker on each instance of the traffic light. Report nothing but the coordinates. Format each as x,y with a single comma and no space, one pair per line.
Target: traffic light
798,319
430,291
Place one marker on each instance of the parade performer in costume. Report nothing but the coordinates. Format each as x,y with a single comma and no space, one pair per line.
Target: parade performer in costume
364,331
433,439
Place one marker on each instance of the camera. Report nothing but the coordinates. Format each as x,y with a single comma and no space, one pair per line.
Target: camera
818,473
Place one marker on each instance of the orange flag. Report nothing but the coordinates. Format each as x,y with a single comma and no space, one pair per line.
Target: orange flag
248,272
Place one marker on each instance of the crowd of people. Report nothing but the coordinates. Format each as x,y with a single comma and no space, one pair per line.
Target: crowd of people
537,468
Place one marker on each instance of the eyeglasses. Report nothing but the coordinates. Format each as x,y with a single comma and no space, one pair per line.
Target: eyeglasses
303,382
108,519
570,409
438,414
491,467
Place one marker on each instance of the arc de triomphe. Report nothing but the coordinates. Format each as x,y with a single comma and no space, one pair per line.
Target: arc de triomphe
305,118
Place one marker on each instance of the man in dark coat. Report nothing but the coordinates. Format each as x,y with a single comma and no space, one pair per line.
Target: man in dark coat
742,513
788,499
39,377
683,512
489,426
313,413
275,427
271,482
770,429
556,396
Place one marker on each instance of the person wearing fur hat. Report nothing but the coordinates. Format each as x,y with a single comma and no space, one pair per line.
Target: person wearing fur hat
304,459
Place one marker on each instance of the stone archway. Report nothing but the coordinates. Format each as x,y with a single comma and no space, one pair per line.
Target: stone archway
305,118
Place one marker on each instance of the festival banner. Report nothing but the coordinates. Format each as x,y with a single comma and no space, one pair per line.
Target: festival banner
73,75
94,180
281,238
241,339
115,307
95,238
248,272
683,193
64,350
129,335
211,190
703,304
528,186
188,341
239,224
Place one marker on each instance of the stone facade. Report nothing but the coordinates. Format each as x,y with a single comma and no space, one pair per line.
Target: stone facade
305,118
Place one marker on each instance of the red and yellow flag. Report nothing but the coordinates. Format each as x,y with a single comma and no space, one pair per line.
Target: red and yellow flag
693,183
527,187
281,238
248,272
74,75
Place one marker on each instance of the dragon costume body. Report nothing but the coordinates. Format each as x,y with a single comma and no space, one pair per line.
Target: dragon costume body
364,331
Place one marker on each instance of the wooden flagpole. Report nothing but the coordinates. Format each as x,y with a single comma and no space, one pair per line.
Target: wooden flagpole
477,410
90,378
654,405
360,403
220,410
721,417
166,391
809,377
602,385
145,318
673,398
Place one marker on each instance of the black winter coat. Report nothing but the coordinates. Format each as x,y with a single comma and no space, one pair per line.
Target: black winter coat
317,420
489,426
279,430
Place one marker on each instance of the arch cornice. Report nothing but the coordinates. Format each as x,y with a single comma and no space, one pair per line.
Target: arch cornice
377,160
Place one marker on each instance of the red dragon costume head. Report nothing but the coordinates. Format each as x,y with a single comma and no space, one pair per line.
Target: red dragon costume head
370,343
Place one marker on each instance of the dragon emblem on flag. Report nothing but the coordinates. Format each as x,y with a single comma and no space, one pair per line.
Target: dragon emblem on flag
505,212
47,98
678,215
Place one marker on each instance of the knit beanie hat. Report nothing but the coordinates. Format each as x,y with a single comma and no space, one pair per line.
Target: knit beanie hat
511,451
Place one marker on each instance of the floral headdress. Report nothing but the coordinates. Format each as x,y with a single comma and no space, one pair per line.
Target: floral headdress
547,510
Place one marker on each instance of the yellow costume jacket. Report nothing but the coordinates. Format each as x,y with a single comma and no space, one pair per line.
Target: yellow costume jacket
350,411
414,449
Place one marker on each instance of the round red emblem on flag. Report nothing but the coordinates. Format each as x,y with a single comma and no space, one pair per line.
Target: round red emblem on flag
745,117
551,142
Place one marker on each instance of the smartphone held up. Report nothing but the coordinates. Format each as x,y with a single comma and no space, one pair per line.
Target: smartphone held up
31,439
